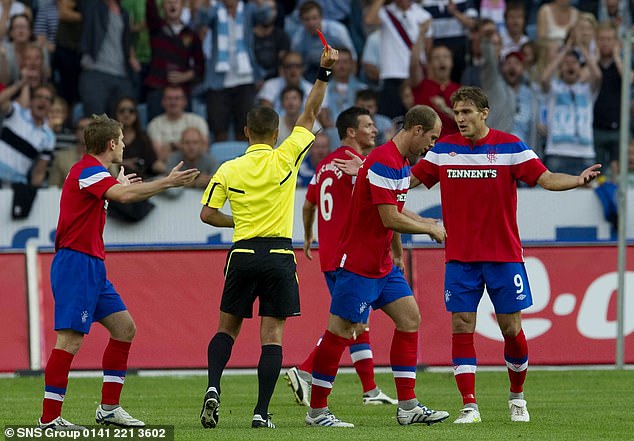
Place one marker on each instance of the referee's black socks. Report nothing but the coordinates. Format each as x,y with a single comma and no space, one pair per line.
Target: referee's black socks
218,353
268,372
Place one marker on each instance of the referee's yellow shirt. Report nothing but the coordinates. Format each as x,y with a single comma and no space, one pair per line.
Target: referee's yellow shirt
260,186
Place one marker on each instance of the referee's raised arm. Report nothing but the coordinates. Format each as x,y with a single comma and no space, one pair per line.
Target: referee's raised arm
329,57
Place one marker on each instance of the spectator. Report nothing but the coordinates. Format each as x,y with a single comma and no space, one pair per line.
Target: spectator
607,107
556,19
291,74
166,129
452,22
512,33
139,155
108,60
269,41
507,90
292,99
193,153
400,23
584,34
371,60
177,55
367,99
570,101
307,43
21,41
493,10
8,9
319,150
344,84
66,158
26,142
140,43
45,25
58,121
484,28
435,88
67,56
614,11
231,71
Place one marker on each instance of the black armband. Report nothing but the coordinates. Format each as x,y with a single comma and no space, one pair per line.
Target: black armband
324,74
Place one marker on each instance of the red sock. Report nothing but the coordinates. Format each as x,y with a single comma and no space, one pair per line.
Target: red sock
55,382
464,365
325,368
516,357
115,365
307,365
361,355
403,358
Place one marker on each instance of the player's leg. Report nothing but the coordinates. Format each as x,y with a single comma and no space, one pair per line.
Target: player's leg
115,360
325,366
508,287
464,285
516,357
299,377
397,301
269,366
75,293
351,297
56,377
361,355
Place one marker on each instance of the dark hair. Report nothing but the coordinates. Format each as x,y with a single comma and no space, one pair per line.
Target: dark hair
420,115
366,95
136,125
12,23
290,88
514,5
349,119
309,6
101,130
262,121
469,93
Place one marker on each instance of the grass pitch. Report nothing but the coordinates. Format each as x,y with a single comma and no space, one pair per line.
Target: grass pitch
571,405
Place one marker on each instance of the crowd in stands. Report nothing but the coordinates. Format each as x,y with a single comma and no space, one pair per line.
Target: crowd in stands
180,75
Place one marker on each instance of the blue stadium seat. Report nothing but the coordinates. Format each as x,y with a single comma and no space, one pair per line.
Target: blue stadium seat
226,150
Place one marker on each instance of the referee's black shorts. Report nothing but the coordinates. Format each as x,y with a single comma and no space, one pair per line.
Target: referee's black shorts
264,268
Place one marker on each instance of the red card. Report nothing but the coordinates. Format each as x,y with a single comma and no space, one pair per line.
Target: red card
322,38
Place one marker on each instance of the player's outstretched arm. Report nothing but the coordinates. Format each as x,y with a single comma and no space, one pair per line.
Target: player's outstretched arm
216,218
562,181
134,193
399,222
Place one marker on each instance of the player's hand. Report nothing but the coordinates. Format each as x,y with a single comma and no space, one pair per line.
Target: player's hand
128,179
308,241
589,174
180,178
437,232
349,166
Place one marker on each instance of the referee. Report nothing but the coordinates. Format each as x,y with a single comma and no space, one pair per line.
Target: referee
260,187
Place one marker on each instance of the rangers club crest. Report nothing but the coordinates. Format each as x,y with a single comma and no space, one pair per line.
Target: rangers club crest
492,155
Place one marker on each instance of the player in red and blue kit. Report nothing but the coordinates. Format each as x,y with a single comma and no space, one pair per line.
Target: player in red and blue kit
82,292
328,196
366,276
478,169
